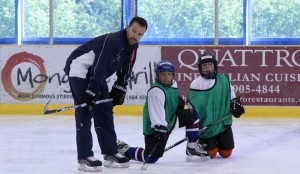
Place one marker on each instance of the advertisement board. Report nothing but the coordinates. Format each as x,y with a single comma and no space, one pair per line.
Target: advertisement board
262,76
34,74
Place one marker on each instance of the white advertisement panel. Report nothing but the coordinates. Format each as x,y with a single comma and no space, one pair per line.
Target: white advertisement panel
34,74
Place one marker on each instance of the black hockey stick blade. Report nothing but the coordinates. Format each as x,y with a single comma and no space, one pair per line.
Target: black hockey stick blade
176,144
46,111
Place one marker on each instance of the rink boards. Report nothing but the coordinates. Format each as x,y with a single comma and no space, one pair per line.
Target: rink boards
266,77
131,110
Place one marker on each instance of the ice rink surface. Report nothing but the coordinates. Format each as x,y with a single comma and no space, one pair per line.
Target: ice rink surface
46,144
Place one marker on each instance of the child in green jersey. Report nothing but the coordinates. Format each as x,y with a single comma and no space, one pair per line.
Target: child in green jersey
212,97
162,109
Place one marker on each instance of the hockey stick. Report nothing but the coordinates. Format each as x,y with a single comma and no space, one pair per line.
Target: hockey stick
46,111
176,144
145,166
201,130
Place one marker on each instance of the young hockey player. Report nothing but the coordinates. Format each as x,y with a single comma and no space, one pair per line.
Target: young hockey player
162,108
212,97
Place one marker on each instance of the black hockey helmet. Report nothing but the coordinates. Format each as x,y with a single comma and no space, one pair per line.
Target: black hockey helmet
204,58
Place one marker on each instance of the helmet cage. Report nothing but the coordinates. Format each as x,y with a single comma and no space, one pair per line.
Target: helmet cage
205,58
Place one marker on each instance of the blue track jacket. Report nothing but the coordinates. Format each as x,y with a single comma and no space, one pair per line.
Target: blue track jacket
101,57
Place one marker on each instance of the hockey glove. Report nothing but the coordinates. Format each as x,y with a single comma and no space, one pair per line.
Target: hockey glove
118,93
186,117
160,135
89,97
181,104
237,109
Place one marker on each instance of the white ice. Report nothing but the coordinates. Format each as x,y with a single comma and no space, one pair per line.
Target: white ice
46,144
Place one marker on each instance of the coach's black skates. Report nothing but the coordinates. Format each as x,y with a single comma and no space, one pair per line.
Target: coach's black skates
116,161
90,164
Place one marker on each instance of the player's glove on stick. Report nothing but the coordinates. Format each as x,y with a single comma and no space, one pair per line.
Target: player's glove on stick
89,97
160,135
237,109
118,93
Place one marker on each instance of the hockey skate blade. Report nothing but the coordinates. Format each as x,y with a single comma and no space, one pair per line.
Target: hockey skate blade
194,158
113,164
189,158
144,167
84,168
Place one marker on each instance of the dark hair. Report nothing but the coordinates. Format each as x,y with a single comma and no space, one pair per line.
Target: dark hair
139,20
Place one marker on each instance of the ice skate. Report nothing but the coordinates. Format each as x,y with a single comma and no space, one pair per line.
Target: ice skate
122,147
194,150
90,164
116,161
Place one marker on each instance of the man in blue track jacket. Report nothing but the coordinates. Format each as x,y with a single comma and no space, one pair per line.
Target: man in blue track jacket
88,67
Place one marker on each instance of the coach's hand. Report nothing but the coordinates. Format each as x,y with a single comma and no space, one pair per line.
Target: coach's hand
118,93
89,97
